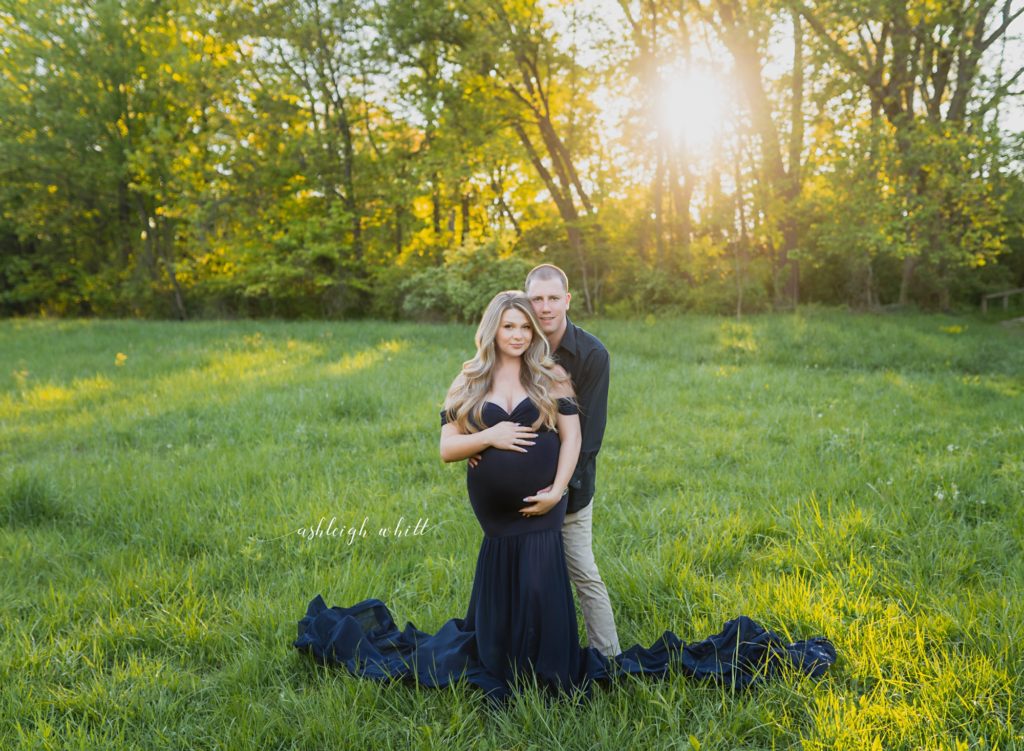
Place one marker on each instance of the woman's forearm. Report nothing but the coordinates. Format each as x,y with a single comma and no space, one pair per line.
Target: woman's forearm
568,454
457,446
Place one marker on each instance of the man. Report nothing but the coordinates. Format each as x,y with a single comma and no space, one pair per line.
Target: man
586,360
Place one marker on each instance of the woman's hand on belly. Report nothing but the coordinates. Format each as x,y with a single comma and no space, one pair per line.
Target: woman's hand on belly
510,436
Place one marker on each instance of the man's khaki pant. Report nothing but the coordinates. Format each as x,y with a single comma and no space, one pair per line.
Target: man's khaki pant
579,557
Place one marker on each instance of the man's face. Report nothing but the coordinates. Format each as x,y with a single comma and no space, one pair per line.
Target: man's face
550,303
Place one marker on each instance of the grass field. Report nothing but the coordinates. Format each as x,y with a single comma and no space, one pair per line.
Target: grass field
859,477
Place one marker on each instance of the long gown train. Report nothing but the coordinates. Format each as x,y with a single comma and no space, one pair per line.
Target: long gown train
521,621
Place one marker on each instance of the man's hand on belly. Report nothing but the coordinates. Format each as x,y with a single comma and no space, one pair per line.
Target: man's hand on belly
541,502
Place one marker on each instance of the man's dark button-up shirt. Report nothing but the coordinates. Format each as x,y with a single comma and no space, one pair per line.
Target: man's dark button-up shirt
587,362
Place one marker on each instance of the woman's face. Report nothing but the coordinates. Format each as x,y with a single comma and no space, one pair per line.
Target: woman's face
514,333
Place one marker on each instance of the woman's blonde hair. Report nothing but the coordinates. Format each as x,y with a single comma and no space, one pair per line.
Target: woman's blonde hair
465,401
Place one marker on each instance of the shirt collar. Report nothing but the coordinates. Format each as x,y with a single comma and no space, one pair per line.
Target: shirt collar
568,342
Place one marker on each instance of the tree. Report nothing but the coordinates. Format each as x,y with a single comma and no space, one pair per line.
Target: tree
920,67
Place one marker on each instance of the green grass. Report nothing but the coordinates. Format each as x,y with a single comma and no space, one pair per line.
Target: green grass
859,477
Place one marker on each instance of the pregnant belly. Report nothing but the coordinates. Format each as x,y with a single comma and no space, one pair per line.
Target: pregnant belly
503,478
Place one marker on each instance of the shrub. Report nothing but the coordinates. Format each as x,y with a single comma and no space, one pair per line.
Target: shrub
462,287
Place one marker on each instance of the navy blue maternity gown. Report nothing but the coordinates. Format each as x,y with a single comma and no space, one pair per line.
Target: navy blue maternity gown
521,619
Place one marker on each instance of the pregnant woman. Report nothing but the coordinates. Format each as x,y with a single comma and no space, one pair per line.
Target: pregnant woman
512,405
505,406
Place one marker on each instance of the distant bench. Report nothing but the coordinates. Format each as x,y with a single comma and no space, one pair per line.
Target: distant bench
1005,295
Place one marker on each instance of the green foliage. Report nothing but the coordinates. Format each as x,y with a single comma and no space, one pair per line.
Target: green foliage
462,287
914,222
192,158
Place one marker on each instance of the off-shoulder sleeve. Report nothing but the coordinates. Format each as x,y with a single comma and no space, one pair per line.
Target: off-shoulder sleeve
445,417
567,406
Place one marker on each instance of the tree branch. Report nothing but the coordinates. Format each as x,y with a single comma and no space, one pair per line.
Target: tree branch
841,52
1008,19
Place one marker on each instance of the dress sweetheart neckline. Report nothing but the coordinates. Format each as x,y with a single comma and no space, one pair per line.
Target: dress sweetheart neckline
514,408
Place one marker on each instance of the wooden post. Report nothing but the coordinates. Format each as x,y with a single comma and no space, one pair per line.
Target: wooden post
1005,295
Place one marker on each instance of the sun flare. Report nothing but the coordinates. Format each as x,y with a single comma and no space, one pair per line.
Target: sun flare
692,107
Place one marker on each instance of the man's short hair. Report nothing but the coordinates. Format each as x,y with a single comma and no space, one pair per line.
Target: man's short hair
546,272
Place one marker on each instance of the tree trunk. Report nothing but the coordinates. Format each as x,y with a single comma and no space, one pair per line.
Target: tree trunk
464,225
870,293
577,243
503,207
740,245
794,176
746,53
562,196
907,278
657,200
398,231
166,245
682,195
435,201
348,176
